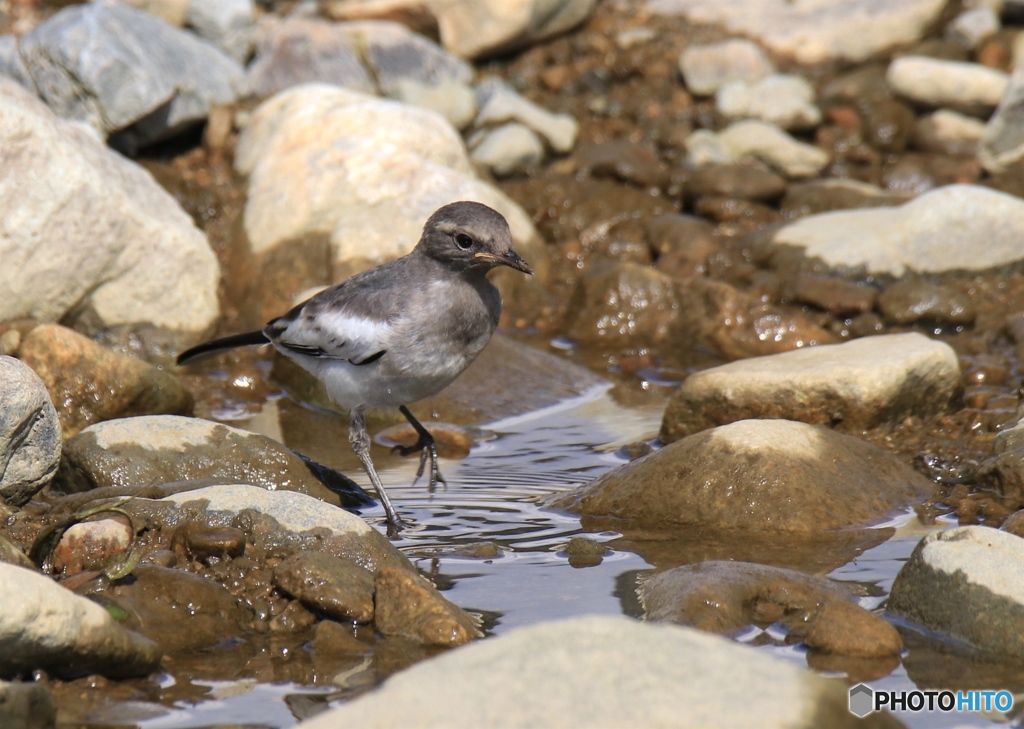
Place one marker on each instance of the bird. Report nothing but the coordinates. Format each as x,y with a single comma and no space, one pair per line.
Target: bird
400,332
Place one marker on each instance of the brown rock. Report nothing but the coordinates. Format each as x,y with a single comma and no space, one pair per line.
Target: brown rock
909,302
452,441
623,160
837,297
746,182
410,607
850,630
822,196
331,637
203,541
336,587
293,619
720,597
682,243
89,383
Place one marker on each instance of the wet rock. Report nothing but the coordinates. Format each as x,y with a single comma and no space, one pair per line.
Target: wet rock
558,664
335,587
162,449
123,71
1003,143
543,379
948,132
621,305
1014,524
746,213
888,123
30,436
706,68
451,441
45,626
27,706
777,475
330,637
229,25
204,542
914,173
972,27
507,150
817,32
967,87
850,630
334,142
958,227
837,297
104,237
910,302
623,160
178,610
10,553
92,545
853,386
822,196
584,552
499,103
780,99
1004,471
760,140
739,324
721,597
747,182
682,244
966,583
471,28
408,606
91,384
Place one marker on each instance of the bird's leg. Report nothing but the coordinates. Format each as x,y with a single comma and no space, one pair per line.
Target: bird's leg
359,439
425,447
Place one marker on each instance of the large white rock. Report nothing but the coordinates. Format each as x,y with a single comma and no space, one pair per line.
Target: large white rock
83,228
365,171
970,87
760,140
598,672
44,625
967,583
815,31
957,227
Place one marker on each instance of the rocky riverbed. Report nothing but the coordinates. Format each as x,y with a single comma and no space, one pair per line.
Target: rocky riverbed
749,436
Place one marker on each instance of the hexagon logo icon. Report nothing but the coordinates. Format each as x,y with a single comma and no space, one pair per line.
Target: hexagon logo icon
862,700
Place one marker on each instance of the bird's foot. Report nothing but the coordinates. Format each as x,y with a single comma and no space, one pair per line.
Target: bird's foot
427,451
395,526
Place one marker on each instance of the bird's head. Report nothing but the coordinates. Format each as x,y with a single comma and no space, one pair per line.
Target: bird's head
469,236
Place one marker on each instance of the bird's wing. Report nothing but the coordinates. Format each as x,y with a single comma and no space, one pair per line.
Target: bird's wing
328,326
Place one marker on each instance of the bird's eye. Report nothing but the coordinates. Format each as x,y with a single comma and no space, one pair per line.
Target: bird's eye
463,241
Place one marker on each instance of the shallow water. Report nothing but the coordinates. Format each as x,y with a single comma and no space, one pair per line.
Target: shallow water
495,495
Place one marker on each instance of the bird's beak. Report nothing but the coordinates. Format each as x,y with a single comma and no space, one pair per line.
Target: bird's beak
509,258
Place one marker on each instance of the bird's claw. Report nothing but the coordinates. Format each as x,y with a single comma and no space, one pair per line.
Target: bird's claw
426,451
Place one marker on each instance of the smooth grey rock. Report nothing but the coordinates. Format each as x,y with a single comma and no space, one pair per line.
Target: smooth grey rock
27,705
11,63
507,149
968,87
44,625
395,55
114,67
973,27
967,583
853,386
82,228
766,142
161,449
650,675
230,25
957,227
755,475
706,68
1003,142
30,438
784,100
815,32
499,103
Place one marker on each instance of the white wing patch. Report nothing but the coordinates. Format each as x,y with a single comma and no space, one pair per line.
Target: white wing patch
338,335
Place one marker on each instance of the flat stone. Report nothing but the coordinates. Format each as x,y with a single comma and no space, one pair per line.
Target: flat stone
409,606
335,587
854,386
850,630
949,132
952,228
453,100
677,677
30,436
724,596
45,626
823,196
747,182
706,68
160,449
967,87
776,475
499,103
114,67
623,160
760,140
966,583
910,302
92,384
816,32
784,100
507,149
87,231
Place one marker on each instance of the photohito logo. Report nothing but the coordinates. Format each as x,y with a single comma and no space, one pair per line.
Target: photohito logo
864,700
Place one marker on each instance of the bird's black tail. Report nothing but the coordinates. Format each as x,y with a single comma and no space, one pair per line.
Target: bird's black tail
235,340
